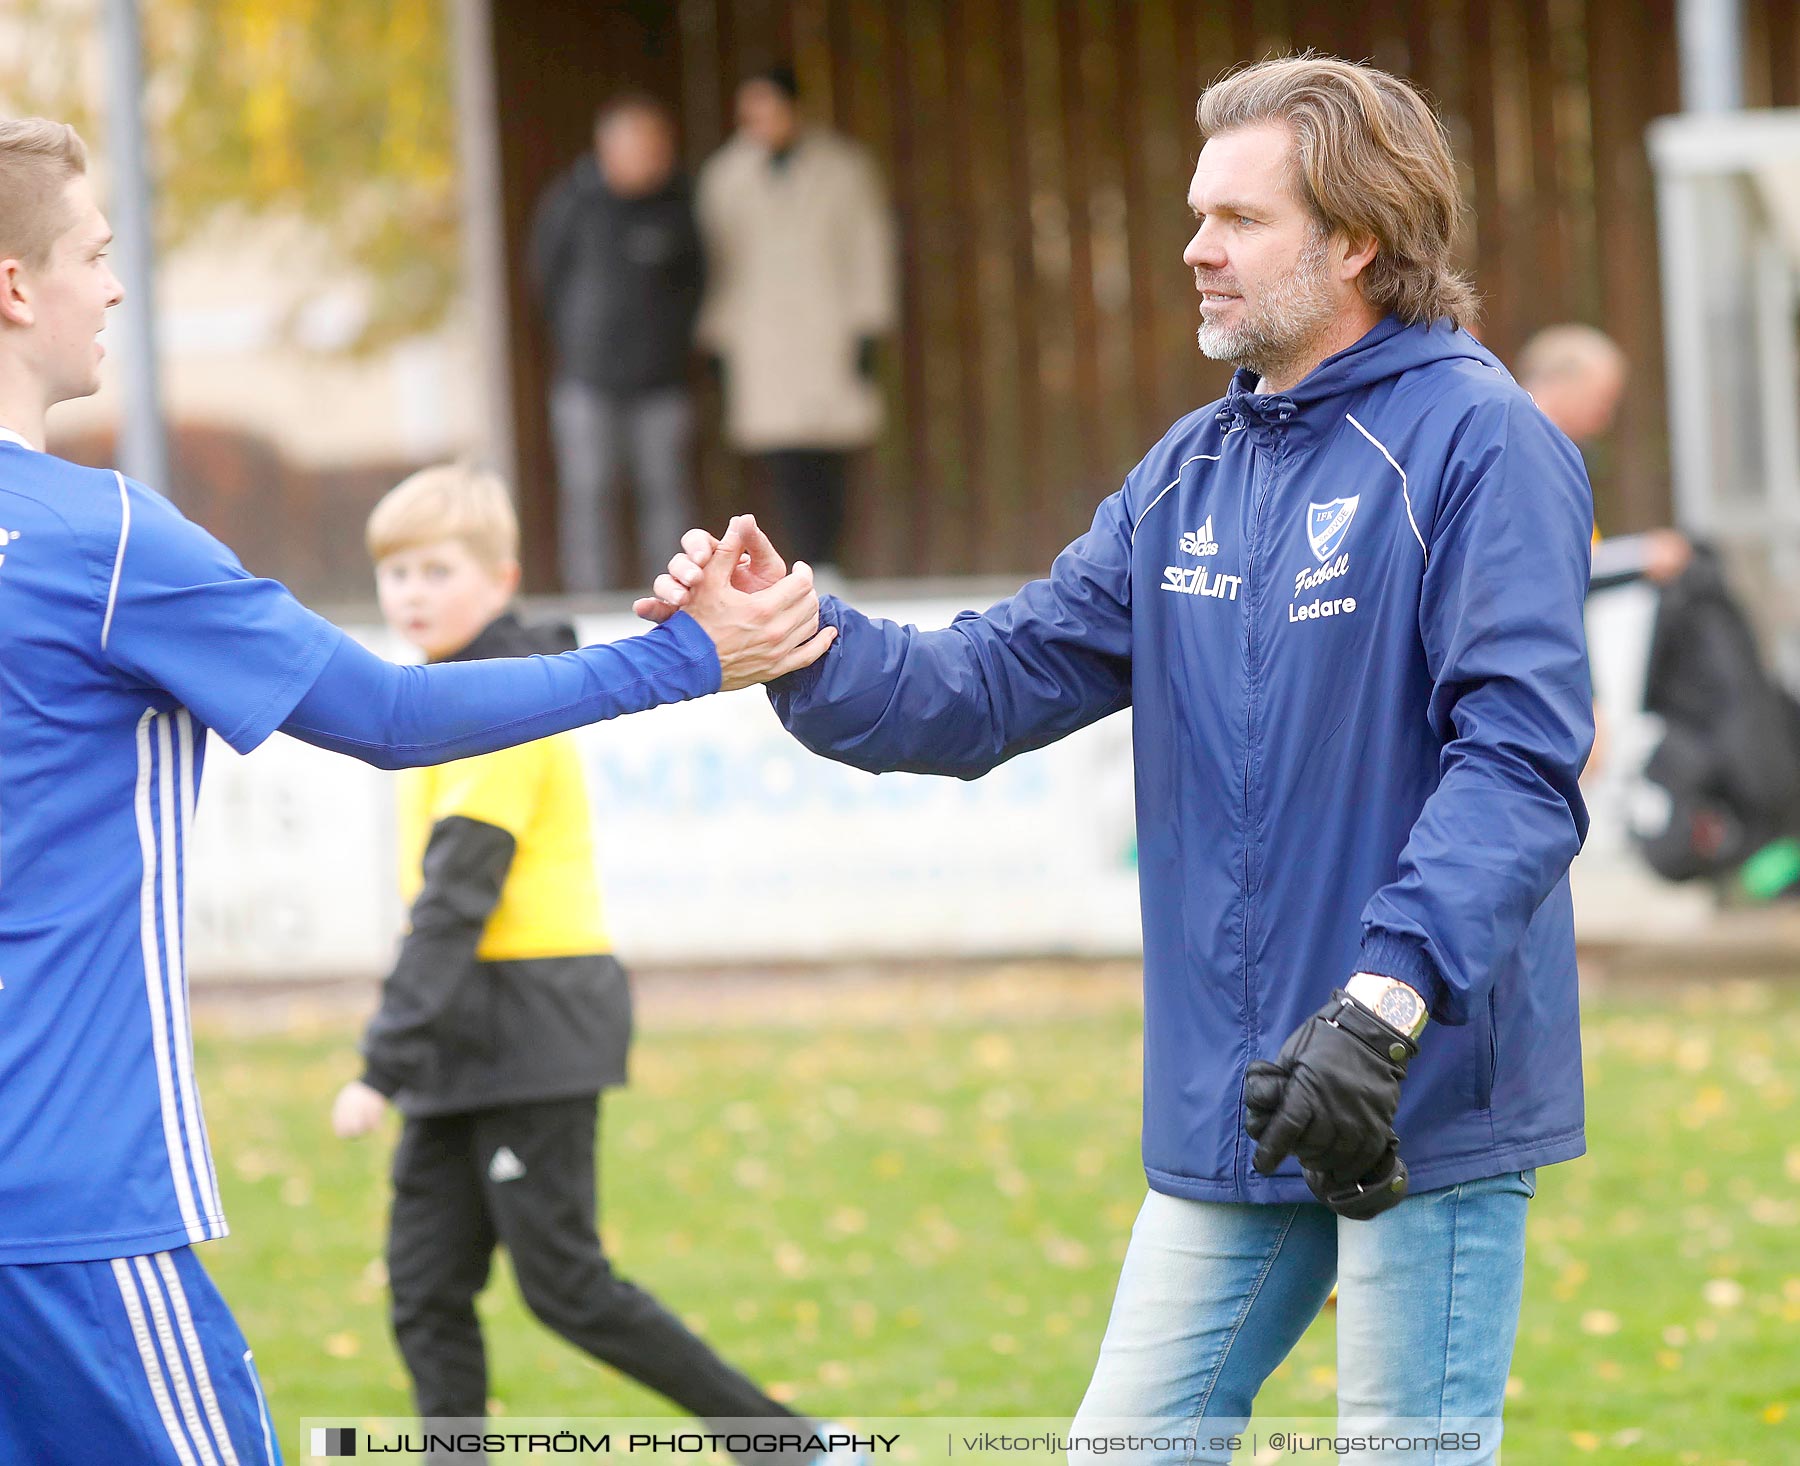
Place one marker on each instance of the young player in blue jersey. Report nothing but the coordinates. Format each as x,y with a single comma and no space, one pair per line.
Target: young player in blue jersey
126,634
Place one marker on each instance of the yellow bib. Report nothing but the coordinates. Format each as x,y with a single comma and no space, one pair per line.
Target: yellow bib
550,904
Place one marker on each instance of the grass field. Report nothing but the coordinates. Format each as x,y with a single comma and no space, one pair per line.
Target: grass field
916,1205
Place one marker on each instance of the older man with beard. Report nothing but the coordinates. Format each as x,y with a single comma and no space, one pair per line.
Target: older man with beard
1344,603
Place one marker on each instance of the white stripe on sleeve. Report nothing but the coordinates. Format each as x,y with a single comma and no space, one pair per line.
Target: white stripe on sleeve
112,596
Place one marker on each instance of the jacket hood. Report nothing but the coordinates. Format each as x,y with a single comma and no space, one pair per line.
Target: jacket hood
1388,350
508,636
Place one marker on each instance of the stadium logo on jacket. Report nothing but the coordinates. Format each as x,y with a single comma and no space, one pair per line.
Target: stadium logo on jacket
1327,524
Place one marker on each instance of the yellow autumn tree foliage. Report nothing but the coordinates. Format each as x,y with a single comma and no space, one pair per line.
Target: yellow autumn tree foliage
335,112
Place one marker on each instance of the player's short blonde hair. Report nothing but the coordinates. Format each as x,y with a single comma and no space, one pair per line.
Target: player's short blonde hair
38,157
448,501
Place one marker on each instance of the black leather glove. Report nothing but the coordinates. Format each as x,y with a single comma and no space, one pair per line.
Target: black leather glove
1369,1195
1329,1098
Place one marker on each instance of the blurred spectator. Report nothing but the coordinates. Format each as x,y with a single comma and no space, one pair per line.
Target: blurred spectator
801,286
1727,764
1719,796
618,265
1576,375
506,1014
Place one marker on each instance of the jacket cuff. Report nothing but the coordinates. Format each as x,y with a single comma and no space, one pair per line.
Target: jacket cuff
798,684
384,1084
698,652
1388,954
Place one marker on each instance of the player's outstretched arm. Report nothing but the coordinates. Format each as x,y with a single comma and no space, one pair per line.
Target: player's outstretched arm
181,615
399,717
961,700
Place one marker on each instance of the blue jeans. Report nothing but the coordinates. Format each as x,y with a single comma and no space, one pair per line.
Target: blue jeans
1213,1295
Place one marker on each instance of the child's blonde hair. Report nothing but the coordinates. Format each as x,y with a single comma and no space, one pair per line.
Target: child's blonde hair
448,501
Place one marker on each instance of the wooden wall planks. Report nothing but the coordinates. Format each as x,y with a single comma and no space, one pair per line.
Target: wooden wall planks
1038,154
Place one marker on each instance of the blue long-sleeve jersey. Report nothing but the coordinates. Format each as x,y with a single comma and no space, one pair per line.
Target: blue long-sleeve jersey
1348,620
126,633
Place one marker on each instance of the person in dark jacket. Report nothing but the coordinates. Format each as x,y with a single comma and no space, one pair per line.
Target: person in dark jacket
506,1012
1728,761
1345,607
617,261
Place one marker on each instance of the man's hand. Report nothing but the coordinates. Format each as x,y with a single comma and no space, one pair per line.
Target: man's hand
1666,554
759,567
1329,1098
1363,1197
763,623
357,1110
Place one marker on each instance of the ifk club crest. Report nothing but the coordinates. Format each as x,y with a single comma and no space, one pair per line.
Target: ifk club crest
1327,524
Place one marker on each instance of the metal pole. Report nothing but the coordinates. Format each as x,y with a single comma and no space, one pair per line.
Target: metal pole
1691,448
1705,237
484,228
1710,37
143,447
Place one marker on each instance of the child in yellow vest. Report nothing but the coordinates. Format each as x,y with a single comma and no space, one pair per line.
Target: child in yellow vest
506,1013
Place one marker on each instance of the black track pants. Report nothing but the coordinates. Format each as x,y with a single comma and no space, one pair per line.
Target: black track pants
523,1176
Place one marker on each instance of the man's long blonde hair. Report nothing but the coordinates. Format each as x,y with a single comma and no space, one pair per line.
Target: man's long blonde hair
1371,161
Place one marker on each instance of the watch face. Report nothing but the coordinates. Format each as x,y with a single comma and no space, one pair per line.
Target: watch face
1399,1007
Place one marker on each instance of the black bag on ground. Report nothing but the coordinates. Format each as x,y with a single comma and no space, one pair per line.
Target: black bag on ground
1729,758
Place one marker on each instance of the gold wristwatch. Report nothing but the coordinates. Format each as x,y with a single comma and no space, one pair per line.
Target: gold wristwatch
1390,1000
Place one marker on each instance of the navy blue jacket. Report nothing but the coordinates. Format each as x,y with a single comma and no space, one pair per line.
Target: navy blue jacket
1348,620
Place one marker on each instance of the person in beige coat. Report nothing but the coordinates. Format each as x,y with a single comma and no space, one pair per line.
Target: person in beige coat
800,288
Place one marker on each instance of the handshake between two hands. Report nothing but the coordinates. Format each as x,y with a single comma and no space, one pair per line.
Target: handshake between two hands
763,618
